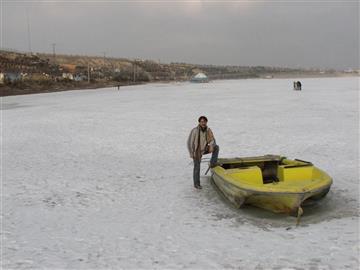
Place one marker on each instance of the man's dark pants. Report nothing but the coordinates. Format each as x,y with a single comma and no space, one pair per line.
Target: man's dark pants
197,163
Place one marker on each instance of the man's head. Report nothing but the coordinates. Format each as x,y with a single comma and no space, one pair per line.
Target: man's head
203,121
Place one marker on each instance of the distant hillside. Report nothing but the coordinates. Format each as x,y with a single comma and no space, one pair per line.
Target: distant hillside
39,72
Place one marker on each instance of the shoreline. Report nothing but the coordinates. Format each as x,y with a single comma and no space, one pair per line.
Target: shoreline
13,91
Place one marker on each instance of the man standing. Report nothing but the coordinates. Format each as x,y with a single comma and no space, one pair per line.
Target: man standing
201,141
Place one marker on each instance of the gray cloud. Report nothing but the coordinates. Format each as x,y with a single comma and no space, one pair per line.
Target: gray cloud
272,33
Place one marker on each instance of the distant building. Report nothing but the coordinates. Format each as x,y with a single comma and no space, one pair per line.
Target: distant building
200,78
68,68
2,78
68,76
79,78
12,77
349,70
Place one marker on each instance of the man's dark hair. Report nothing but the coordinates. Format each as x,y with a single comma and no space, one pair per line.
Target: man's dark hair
202,118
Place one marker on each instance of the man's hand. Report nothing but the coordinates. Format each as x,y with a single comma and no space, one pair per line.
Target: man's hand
210,148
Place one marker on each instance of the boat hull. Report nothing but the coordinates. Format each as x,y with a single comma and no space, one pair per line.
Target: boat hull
272,201
270,197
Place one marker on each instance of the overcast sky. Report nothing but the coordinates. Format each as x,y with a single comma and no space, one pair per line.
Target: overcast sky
271,33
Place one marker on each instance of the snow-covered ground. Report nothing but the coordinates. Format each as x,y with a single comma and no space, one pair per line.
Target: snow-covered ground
101,178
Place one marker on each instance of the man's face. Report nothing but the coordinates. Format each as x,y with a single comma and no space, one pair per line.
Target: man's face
203,123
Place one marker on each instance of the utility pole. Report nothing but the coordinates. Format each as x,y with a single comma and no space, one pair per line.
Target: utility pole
28,30
104,58
88,71
134,70
54,52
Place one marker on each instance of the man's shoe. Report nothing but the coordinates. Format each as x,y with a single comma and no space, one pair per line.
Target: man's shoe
198,187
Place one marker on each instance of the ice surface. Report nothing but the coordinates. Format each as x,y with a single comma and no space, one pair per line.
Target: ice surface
101,178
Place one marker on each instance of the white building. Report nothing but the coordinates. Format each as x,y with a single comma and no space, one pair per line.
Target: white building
200,78
2,78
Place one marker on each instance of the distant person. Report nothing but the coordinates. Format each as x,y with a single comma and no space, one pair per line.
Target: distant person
297,85
201,141
118,87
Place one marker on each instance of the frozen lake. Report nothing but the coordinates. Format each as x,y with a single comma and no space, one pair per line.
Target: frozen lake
102,178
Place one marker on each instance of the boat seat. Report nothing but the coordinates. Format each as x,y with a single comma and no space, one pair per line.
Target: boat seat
295,173
250,174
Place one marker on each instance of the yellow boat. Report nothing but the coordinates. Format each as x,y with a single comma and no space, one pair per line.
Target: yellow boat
271,182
